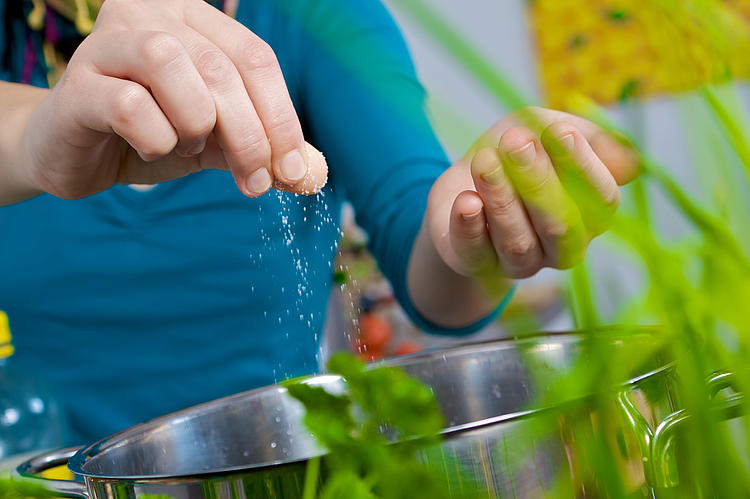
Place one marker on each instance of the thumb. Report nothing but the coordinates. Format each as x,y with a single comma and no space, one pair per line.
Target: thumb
469,237
315,178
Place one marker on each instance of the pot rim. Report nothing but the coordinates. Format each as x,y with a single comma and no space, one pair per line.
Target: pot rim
78,460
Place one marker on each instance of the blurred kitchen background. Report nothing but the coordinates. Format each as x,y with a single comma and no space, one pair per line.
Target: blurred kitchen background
607,50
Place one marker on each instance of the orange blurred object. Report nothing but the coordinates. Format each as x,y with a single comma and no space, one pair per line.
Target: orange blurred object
375,331
407,347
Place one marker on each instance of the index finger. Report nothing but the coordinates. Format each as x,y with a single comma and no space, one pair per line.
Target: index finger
265,84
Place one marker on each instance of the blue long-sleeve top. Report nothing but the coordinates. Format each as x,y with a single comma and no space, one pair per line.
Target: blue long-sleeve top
135,304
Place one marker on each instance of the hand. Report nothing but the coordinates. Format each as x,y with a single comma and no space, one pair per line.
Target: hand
521,201
163,89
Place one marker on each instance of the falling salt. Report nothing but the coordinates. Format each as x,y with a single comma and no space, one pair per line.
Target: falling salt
293,219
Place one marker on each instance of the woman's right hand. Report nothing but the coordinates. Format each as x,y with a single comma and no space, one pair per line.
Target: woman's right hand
163,89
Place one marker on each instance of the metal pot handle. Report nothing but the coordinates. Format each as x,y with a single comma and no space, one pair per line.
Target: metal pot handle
27,471
640,428
657,446
664,467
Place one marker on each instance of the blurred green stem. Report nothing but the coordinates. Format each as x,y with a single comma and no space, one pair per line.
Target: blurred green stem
583,302
312,473
732,122
442,33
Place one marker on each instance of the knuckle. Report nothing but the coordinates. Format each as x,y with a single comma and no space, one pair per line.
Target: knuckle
502,203
258,55
473,236
556,230
128,103
254,147
199,128
158,49
285,122
519,249
215,67
540,184
588,167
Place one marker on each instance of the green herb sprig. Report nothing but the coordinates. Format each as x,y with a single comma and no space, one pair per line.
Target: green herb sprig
359,427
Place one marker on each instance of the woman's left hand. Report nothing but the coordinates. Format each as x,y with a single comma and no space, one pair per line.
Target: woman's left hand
521,200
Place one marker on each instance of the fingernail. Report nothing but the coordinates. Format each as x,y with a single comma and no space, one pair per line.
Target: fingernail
192,150
259,182
196,149
293,167
469,217
495,177
568,141
524,155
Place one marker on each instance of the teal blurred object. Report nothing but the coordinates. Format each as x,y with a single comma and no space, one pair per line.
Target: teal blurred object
30,417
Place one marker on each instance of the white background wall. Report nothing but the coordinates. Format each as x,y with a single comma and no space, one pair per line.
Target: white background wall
498,30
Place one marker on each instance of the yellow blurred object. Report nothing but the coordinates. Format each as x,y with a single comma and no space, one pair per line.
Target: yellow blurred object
6,349
36,16
81,12
57,473
611,50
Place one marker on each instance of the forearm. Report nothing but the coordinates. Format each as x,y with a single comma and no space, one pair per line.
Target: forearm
445,297
17,104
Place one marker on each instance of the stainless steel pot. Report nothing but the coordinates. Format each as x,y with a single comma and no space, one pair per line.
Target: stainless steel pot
492,394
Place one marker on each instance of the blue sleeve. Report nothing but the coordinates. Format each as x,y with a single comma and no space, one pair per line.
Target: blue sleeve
365,108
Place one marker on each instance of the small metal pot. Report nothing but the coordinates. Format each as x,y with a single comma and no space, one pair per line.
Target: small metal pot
254,445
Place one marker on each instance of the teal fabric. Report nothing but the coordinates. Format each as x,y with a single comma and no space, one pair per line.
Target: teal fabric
135,304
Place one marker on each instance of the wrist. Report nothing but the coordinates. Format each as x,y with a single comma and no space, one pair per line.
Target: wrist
16,144
441,294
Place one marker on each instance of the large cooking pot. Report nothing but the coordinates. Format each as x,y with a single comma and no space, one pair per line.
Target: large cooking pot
493,395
